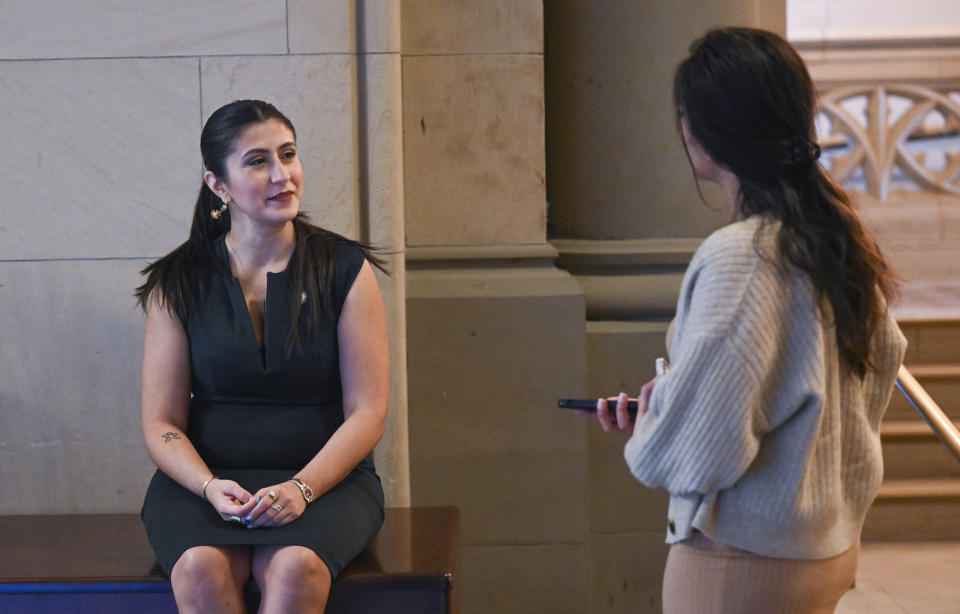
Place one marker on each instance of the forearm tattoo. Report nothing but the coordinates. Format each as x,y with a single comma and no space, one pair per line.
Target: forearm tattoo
170,435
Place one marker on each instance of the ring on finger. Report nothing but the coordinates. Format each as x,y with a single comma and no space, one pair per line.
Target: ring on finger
236,519
277,507
272,495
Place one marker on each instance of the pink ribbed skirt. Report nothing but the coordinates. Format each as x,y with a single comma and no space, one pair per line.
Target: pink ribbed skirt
706,577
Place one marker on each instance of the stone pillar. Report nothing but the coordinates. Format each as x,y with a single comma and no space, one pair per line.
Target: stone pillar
494,330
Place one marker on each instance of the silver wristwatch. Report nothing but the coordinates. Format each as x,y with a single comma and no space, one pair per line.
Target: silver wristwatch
305,490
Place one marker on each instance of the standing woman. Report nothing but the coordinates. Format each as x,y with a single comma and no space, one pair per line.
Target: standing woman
265,383
765,431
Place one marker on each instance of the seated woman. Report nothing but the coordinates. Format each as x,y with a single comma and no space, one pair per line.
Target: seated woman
265,383
765,431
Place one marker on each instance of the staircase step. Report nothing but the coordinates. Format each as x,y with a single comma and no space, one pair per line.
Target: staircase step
915,510
935,370
919,499
911,449
931,341
934,489
909,430
942,383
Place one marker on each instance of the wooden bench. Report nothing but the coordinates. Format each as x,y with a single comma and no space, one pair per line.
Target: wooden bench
102,563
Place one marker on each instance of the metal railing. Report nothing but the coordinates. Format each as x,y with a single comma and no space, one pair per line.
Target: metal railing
929,410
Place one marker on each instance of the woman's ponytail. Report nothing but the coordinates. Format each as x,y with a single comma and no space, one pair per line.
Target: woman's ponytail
206,228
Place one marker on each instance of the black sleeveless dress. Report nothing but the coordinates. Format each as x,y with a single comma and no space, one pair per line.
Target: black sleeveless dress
259,417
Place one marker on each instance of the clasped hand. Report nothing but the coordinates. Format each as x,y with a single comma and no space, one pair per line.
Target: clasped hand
271,506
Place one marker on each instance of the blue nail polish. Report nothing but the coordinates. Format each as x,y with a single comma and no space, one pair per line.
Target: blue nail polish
249,526
258,499
247,519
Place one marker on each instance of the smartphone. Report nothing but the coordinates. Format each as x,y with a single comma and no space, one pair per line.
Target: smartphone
660,365
591,405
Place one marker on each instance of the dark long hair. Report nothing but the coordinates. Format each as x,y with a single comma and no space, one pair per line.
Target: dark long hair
749,102
179,276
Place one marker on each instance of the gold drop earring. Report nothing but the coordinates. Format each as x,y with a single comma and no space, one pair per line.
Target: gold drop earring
216,213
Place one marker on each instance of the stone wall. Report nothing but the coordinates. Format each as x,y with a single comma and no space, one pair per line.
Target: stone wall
824,20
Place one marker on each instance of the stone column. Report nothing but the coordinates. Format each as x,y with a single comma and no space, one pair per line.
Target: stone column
494,330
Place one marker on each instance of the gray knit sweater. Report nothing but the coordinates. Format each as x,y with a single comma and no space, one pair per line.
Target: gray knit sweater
762,440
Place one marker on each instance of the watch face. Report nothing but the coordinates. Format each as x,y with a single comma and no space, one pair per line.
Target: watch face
305,490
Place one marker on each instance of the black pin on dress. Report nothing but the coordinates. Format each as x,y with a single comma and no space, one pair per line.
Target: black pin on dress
258,415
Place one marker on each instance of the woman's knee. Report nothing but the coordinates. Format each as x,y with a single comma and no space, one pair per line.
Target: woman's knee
209,579
202,567
298,567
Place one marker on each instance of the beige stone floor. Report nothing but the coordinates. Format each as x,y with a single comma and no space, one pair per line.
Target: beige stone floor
906,578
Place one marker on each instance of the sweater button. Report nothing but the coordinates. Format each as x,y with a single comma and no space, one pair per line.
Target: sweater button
671,527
